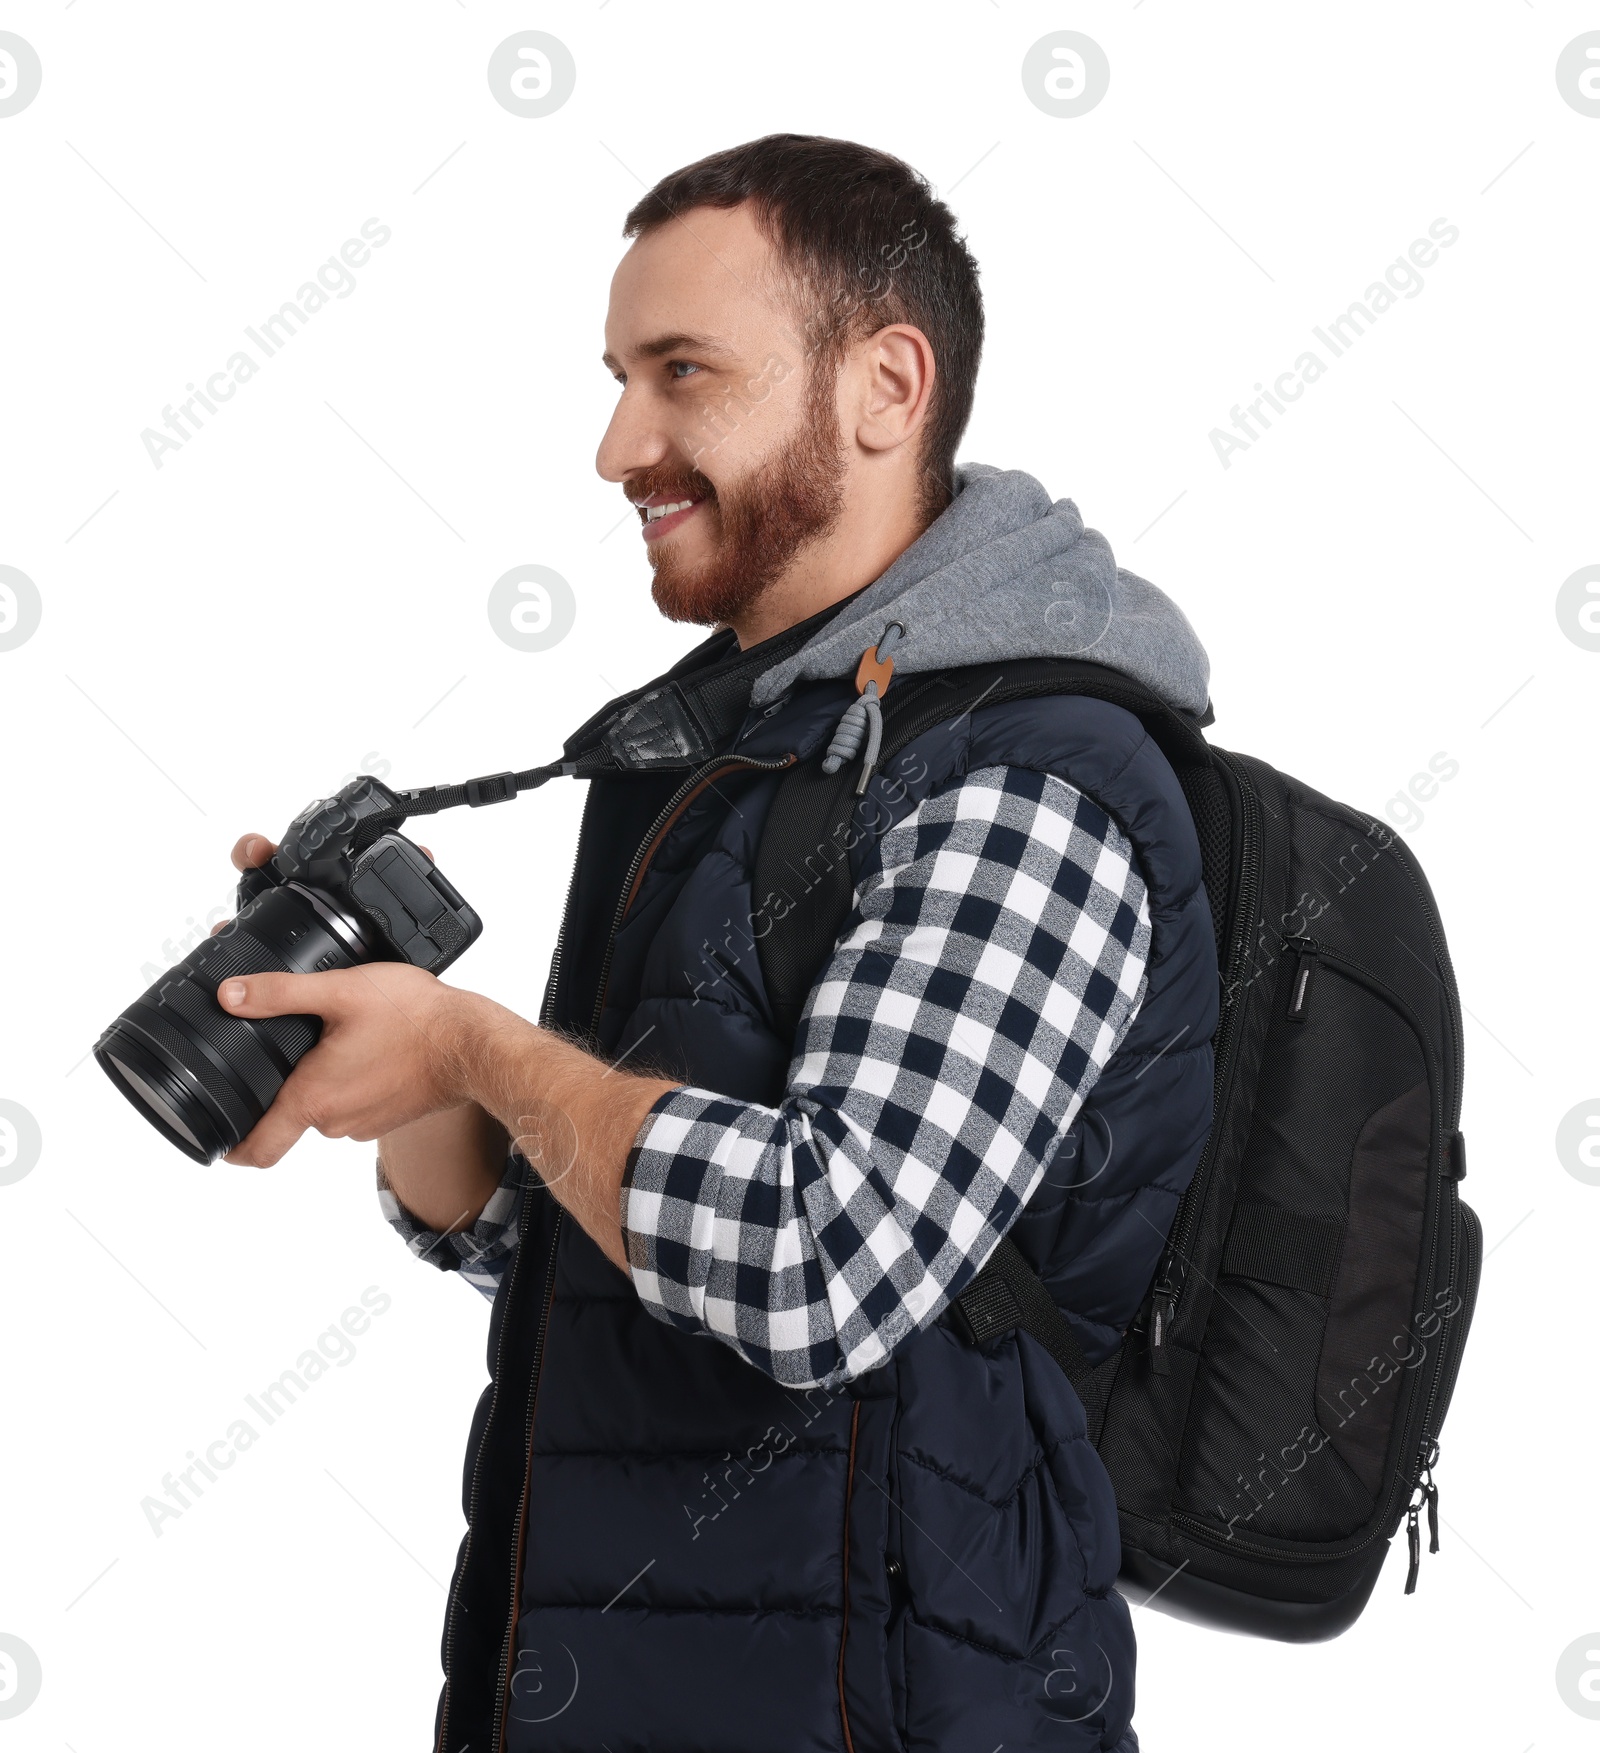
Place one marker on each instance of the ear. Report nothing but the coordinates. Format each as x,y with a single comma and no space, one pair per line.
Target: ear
896,371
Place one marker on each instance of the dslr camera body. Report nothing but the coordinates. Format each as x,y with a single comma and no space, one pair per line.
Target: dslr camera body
342,889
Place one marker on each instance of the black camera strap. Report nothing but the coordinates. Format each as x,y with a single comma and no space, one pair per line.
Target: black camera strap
679,721
429,800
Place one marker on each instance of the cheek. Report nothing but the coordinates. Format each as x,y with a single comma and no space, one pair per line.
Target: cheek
738,428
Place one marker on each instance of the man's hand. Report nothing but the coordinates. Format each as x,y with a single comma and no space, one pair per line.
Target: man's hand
394,1047
251,850
399,1045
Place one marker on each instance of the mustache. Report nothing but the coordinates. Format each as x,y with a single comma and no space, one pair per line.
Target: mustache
673,483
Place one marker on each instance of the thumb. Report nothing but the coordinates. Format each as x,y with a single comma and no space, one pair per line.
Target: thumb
263,995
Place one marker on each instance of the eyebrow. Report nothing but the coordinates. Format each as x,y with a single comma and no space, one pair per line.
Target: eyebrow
679,342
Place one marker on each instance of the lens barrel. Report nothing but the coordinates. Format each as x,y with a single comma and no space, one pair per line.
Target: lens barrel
204,1078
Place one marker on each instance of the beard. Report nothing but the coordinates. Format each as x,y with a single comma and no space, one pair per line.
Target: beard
763,521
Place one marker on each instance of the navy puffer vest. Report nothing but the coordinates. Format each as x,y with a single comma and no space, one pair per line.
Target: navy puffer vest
670,1552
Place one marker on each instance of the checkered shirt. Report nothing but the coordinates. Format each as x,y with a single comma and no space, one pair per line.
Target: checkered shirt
479,1253
994,960
995,957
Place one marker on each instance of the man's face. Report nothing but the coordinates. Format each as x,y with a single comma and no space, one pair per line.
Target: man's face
721,416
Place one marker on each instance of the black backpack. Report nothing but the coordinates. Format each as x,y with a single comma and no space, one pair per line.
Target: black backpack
1274,1410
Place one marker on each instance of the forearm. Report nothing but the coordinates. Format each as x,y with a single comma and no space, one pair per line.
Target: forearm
444,1167
570,1114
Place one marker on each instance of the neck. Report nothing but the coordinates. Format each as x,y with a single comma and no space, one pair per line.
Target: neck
858,549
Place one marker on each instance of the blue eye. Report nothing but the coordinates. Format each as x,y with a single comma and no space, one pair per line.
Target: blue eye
675,365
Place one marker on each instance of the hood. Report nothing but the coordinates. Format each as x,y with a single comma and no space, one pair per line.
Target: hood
1005,573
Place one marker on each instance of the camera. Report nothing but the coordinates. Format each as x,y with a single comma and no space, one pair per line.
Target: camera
342,889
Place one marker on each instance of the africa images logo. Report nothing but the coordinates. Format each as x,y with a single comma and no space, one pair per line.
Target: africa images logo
20,1675
20,74
20,608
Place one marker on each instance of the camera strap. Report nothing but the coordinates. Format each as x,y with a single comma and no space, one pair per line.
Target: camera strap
676,722
429,800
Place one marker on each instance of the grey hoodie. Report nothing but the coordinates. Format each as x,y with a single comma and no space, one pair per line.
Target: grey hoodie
1002,574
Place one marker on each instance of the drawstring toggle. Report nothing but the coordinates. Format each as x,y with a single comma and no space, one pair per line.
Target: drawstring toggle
863,719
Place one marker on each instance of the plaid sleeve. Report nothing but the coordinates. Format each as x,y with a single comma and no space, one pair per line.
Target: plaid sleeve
995,959
480,1254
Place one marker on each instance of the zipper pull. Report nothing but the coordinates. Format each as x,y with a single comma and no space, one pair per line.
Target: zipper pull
1301,989
1429,1489
1414,1542
1161,1307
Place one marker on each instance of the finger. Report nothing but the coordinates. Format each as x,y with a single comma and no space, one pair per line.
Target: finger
261,995
275,1133
251,850
428,850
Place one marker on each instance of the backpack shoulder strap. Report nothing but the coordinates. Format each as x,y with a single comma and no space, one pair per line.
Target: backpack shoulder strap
802,855
1006,1295
802,858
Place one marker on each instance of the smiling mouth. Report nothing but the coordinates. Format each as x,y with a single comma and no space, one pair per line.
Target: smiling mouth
657,517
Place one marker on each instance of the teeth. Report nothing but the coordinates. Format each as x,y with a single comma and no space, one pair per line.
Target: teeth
652,512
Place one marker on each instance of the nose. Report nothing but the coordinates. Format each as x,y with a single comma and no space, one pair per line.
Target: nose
633,441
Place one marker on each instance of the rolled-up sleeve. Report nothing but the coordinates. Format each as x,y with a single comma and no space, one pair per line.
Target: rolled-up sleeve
479,1253
993,962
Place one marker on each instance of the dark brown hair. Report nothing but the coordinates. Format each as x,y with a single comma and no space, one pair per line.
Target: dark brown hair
864,243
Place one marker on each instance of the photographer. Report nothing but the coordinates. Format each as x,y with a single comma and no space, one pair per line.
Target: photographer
839,1522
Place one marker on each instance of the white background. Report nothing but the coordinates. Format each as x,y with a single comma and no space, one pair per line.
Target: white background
299,594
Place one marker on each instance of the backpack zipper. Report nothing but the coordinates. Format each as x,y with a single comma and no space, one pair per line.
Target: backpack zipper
1173,1267
1198,1528
1427,1455
670,811
1420,1476
1469,1247
1171,1273
1430,1496
1466,1241
1312,947
1407,861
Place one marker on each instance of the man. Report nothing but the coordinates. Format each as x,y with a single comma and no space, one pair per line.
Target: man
737,1483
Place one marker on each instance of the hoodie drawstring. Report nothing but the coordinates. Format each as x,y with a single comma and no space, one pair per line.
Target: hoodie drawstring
863,718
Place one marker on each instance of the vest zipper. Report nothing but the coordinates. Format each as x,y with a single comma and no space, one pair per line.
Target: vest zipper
844,1624
472,1507
552,985
671,810
503,1680
680,799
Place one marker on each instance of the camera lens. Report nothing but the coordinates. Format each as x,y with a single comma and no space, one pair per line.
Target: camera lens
156,1090
204,1078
